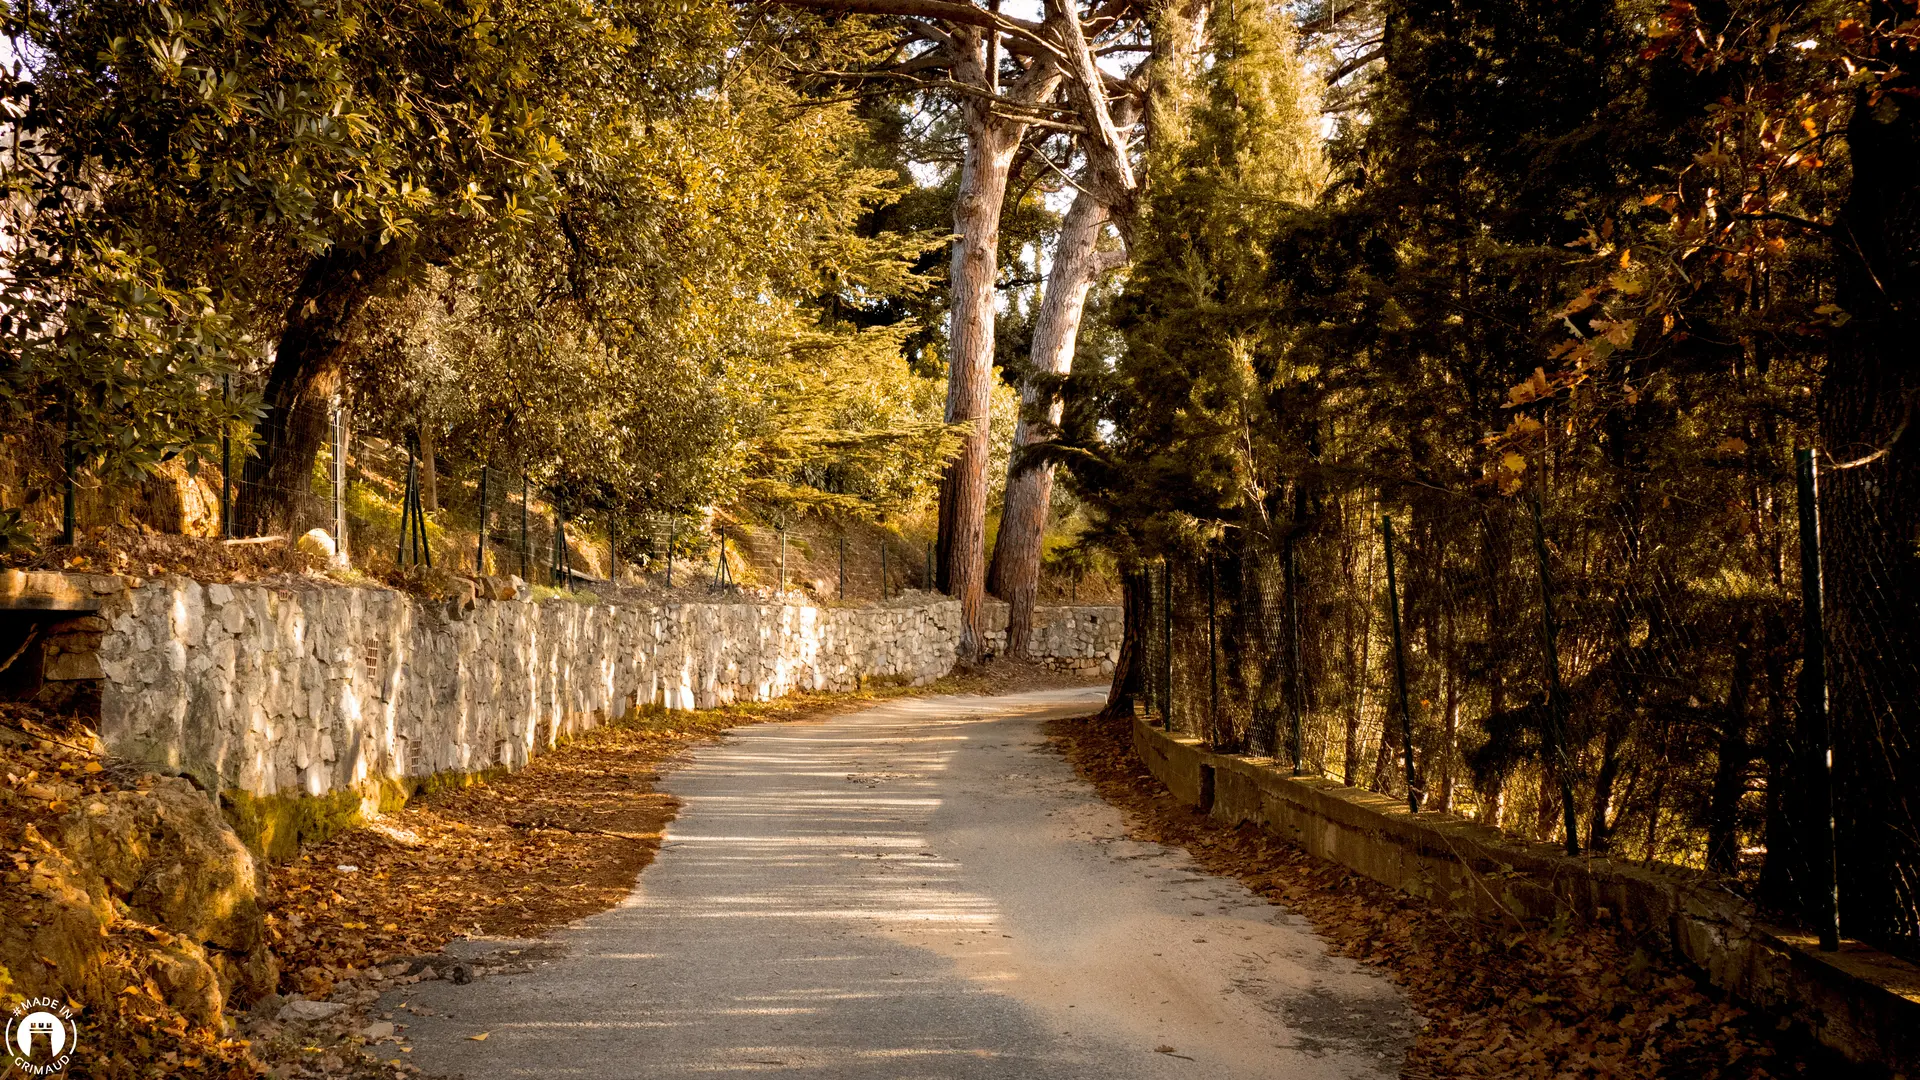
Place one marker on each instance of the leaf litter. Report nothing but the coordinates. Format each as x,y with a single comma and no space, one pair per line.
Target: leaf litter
1556,1003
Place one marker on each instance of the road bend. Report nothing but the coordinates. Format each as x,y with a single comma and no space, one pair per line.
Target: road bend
921,889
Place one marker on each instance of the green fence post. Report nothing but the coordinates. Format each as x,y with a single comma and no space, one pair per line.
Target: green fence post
1213,667
226,467
1816,736
1166,699
1400,669
1295,695
480,546
340,482
68,519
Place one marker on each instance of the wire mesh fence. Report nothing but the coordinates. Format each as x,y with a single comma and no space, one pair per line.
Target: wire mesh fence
1613,673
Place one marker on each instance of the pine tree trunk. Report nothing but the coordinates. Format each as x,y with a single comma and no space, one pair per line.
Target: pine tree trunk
306,373
991,142
1014,575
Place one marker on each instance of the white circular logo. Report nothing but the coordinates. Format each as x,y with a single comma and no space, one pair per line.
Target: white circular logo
41,1035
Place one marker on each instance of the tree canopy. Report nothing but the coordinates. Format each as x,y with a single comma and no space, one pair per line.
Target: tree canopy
603,242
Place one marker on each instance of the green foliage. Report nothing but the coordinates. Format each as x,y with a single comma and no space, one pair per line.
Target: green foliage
1576,250
16,538
1186,405
610,244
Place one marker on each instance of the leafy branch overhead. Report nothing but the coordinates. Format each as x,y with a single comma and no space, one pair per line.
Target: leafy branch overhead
522,233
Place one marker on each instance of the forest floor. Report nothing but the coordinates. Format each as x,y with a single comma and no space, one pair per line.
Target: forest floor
1556,1004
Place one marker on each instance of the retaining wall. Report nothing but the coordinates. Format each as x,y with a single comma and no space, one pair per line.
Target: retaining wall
301,686
1858,1001
1083,639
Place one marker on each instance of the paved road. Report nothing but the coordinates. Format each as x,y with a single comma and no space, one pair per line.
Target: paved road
918,890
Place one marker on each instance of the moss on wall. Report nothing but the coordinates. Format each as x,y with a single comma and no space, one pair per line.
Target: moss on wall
275,827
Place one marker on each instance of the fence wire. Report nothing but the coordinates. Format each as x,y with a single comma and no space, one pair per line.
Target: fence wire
1629,680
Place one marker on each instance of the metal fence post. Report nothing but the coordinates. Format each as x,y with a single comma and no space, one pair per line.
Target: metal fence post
883,568
673,537
783,562
1166,699
526,500
843,566
68,519
1213,667
613,548
1400,668
226,467
406,515
1816,736
1556,700
1295,695
480,547
340,482
929,574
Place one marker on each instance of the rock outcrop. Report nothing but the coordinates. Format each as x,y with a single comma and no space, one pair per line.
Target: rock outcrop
124,883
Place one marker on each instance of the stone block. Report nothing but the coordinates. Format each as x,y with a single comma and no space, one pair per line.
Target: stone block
73,667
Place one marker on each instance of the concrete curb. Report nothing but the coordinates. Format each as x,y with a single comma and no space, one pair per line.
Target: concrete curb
1860,1002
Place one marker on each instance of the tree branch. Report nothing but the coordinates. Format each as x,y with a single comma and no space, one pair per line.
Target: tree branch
1109,152
1355,64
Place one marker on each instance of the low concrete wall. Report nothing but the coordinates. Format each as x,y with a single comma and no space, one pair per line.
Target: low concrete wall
1862,1003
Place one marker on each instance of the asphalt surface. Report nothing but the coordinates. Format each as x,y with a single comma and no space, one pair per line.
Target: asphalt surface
918,890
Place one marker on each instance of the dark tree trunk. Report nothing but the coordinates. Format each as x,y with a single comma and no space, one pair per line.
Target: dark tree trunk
1600,814
1730,775
1130,671
306,373
1870,513
1780,870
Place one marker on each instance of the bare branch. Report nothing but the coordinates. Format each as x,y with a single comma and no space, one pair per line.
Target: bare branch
1355,64
939,10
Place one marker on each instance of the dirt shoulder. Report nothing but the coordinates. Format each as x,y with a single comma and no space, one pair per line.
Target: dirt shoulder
1498,1001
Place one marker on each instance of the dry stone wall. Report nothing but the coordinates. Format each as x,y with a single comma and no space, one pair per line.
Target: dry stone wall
1081,638
304,687
307,688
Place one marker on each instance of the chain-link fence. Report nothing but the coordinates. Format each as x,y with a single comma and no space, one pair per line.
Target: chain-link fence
1612,671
